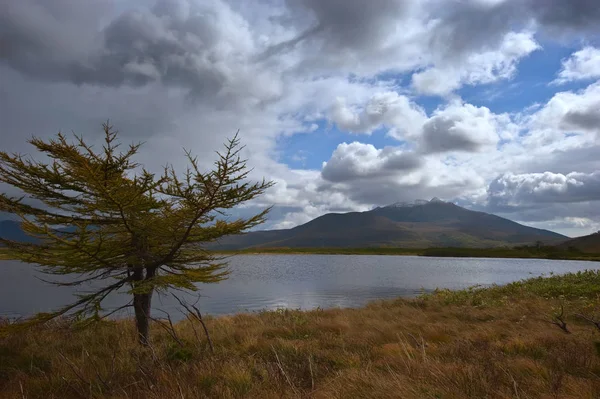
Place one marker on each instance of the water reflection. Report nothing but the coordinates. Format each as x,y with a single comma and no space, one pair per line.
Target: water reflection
259,282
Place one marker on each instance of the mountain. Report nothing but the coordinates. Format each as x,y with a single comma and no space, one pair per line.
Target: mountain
587,244
420,224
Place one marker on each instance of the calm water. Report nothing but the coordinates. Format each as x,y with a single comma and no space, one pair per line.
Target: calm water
299,281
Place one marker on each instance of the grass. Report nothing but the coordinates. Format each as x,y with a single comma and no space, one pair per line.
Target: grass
543,252
496,342
329,251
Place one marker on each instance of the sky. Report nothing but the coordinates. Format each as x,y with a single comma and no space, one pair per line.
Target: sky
344,104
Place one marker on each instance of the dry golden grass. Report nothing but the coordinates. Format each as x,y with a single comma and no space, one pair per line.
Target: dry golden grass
432,347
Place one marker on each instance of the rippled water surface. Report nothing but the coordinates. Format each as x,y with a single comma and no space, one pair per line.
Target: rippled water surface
260,282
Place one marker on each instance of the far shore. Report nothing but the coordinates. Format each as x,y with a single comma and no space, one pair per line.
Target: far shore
524,252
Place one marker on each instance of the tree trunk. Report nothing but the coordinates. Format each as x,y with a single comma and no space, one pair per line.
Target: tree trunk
141,305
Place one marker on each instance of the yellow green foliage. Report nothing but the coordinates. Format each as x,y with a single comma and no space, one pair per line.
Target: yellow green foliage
100,216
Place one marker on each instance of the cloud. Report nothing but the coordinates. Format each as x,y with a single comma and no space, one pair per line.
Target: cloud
512,190
567,203
461,127
358,161
462,27
201,47
574,16
368,176
51,39
353,24
478,68
383,109
561,202
355,36
569,111
455,127
568,225
581,65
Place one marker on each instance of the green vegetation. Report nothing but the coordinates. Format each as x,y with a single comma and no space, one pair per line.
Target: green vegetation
328,251
573,286
531,339
99,214
542,252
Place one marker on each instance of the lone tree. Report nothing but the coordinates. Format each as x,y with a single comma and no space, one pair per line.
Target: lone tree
100,215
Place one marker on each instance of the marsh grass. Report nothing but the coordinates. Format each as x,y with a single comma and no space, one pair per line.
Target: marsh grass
495,342
526,252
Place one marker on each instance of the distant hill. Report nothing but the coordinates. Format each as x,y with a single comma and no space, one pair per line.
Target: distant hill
422,224
588,244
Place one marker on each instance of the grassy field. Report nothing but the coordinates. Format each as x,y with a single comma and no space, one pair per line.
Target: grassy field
515,252
497,342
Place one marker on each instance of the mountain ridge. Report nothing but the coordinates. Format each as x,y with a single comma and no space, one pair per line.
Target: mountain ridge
418,224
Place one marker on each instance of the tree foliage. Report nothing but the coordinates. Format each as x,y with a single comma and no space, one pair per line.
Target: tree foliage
101,216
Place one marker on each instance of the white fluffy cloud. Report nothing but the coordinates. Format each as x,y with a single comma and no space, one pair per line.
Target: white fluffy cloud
454,127
478,68
512,190
463,127
565,202
581,65
383,109
569,112
357,161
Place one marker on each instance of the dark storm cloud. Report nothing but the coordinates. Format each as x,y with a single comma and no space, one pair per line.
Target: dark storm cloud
175,43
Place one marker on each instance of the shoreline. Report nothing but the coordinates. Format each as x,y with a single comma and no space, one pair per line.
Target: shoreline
549,253
500,253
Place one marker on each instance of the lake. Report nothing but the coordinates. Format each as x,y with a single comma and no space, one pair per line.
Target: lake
259,282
